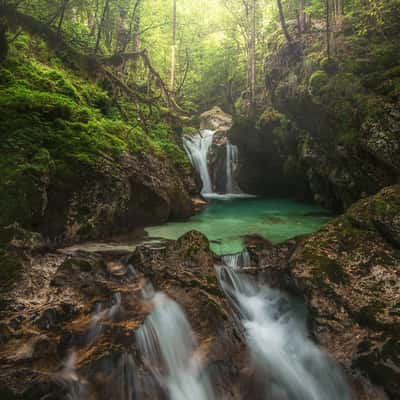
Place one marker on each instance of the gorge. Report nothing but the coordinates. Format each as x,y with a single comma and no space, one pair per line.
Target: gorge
200,200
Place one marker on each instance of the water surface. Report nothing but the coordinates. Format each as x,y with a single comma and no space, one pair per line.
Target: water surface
226,220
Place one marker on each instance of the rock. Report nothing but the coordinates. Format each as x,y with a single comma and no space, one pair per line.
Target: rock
268,162
137,191
215,120
349,273
381,138
17,238
52,317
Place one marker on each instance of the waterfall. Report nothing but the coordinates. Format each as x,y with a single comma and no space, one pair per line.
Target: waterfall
197,147
231,163
238,260
293,366
168,346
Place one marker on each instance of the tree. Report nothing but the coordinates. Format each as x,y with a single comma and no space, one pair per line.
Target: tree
328,28
173,47
283,22
252,59
101,25
64,6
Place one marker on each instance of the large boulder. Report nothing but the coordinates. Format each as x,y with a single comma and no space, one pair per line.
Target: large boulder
215,120
136,192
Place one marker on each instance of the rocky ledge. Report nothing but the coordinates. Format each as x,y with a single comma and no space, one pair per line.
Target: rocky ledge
70,321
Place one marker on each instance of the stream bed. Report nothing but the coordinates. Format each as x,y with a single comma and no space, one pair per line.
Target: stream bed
227,219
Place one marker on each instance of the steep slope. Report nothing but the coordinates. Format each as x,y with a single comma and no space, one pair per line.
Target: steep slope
79,160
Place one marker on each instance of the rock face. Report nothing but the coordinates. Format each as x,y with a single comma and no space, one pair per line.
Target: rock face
94,306
138,191
349,274
266,166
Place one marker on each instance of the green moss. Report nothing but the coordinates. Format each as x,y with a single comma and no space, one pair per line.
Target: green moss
58,128
332,269
329,65
317,82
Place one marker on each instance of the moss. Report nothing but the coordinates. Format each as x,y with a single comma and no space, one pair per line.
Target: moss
317,82
332,269
58,128
329,65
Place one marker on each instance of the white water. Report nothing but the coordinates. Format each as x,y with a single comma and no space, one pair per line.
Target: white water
294,367
168,346
69,377
238,260
197,147
231,165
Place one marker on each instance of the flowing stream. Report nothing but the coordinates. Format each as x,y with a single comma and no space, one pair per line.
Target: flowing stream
274,326
290,365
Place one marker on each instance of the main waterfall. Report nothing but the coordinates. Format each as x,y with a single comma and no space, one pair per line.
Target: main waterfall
198,148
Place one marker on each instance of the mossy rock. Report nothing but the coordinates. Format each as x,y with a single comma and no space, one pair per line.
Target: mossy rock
317,82
329,65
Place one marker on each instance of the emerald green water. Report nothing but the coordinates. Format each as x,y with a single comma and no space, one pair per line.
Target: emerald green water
226,221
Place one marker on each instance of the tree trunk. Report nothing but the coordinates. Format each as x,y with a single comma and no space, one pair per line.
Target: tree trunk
62,15
328,29
101,25
173,47
3,41
252,56
283,22
302,16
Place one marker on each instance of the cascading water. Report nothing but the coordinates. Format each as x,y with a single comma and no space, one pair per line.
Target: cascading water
238,260
294,367
197,147
231,164
168,347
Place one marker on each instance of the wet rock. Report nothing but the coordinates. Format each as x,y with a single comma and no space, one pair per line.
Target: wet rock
52,317
6,333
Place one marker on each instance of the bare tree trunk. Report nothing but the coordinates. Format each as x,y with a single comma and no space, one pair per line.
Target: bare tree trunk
302,15
328,28
253,59
62,15
173,47
283,22
101,25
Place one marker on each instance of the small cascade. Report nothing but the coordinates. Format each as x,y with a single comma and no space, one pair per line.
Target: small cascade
96,327
238,260
232,154
168,346
116,307
69,377
197,147
293,366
